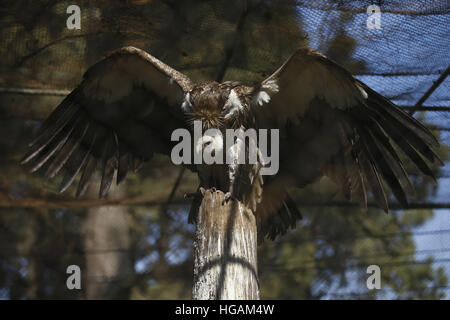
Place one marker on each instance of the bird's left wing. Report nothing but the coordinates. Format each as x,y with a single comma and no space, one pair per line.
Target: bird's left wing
332,124
123,112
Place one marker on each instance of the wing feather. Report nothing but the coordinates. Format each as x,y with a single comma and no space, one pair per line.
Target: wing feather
109,166
335,125
87,174
72,142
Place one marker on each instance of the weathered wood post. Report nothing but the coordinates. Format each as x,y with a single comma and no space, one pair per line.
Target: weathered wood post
225,251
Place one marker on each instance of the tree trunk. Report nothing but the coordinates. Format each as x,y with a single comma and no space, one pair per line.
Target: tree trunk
106,243
225,251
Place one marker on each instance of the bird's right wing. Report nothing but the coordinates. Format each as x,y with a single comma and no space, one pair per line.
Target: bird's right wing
336,126
123,111
333,125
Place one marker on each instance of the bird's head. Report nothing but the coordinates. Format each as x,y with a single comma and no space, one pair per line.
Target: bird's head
204,103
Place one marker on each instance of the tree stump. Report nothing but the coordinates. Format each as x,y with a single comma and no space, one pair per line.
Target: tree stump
225,250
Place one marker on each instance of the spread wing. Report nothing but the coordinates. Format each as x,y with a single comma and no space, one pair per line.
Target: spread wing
332,124
123,111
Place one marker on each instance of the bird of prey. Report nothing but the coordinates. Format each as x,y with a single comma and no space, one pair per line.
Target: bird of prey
330,124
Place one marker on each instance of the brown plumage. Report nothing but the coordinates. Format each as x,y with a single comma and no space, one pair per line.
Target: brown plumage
331,124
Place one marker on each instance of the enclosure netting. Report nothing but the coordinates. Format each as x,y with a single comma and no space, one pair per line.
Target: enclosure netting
401,60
